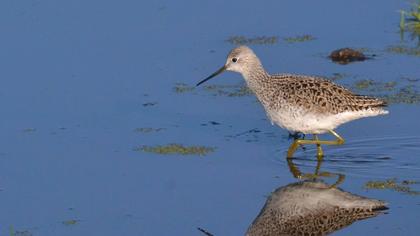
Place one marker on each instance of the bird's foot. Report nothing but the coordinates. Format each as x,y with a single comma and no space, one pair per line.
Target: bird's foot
296,135
339,140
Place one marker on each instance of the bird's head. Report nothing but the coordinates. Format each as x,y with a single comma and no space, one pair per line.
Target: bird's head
241,59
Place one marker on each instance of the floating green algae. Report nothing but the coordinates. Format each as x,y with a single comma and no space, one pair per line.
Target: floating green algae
407,95
13,232
229,90
174,148
391,92
362,49
335,76
268,40
238,90
148,130
363,84
242,40
299,38
394,185
29,130
182,88
70,222
404,50
372,85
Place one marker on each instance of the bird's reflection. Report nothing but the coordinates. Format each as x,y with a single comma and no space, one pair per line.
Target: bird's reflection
317,175
312,207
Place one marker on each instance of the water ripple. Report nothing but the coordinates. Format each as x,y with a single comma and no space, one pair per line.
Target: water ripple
370,157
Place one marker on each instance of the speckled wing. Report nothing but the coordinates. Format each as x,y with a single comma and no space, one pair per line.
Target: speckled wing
321,95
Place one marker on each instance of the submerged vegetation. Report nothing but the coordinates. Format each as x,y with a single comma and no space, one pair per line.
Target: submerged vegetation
394,185
407,95
268,40
335,76
174,148
410,20
389,91
401,49
13,232
182,88
70,222
29,130
229,90
238,90
299,38
374,86
242,40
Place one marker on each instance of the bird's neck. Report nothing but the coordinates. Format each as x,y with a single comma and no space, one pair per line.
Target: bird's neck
256,77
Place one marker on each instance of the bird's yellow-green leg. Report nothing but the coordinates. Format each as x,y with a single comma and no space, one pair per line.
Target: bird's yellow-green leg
319,152
316,141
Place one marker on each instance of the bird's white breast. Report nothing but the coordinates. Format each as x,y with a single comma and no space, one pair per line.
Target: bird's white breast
301,120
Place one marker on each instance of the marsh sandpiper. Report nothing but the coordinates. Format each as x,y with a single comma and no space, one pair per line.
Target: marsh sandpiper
300,103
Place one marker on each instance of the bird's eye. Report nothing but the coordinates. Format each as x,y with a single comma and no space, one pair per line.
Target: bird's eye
234,59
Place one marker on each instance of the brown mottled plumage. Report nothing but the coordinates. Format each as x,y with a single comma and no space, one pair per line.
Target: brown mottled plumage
311,208
316,94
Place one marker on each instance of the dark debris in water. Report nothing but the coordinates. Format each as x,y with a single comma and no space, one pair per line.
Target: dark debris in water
299,38
210,123
411,80
262,40
175,148
252,135
149,104
148,130
251,131
394,185
404,50
344,56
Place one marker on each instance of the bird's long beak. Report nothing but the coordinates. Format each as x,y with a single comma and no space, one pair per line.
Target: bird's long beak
213,75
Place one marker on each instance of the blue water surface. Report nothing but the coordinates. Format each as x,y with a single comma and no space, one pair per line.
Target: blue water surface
79,77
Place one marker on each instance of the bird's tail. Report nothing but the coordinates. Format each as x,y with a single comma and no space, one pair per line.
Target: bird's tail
370,102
